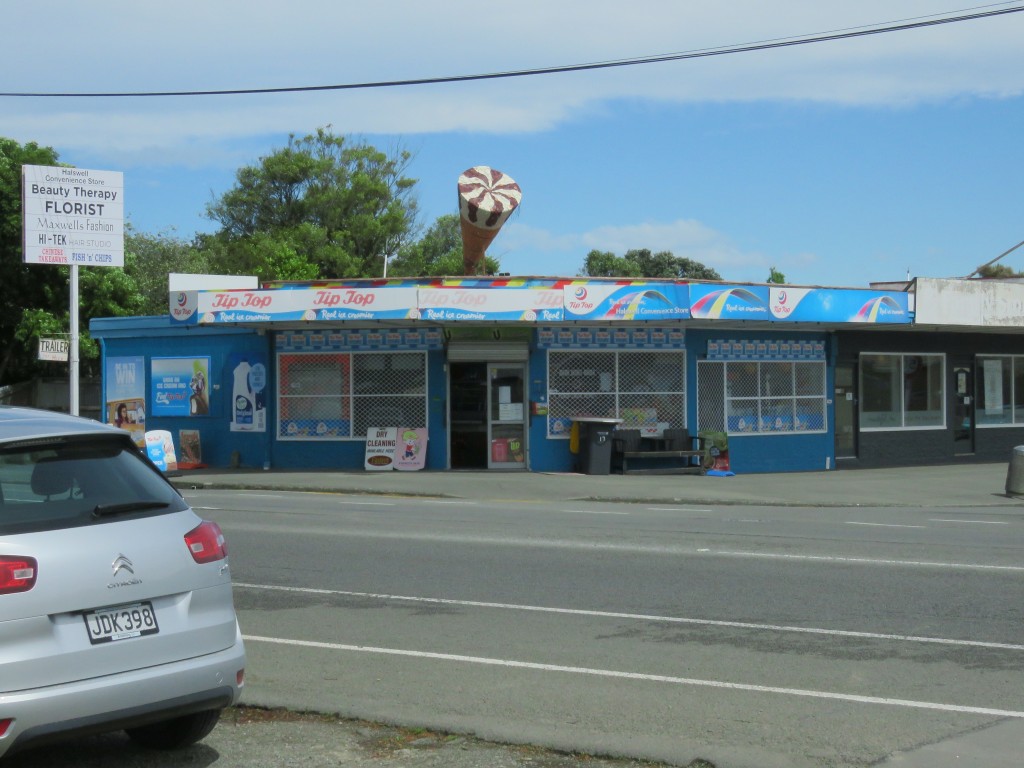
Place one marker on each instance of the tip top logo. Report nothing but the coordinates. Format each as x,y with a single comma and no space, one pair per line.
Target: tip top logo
182,299
780,304
579,303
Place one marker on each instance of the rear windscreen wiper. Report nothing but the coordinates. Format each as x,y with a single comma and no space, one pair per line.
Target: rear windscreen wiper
104,510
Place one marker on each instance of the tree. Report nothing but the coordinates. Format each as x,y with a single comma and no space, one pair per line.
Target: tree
774,276
322,206
437,253
998,272
607,264
149,259
642,263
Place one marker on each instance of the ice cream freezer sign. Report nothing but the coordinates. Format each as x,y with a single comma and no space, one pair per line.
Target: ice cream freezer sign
73,216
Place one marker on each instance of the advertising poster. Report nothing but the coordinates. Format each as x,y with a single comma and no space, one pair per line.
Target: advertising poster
191,449
637,301
381,444
180,386
160,449
247,378
124,382
411,450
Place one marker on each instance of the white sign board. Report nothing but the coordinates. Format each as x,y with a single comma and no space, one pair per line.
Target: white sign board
54,349
73,216
380,448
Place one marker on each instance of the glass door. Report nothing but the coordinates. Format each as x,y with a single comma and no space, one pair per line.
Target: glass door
506,415
846,410
963,406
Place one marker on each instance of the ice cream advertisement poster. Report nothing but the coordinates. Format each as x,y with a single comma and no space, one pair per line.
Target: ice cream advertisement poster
637,301
180,386
789,304
524,304
307,304
839,305
729,302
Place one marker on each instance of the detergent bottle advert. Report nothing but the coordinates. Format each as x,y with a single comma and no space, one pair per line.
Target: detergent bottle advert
248,376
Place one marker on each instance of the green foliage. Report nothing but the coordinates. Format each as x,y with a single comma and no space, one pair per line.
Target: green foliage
340,206
774,276
643,263
438,253
26,289
149,259
998,272
607,264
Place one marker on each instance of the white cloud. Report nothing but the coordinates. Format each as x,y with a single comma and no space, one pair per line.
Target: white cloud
129,46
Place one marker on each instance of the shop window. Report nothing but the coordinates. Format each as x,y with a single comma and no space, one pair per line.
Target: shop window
761,396
902,391
999,394
336,396
646,389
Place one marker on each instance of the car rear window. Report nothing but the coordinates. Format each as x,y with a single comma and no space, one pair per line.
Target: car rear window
45,485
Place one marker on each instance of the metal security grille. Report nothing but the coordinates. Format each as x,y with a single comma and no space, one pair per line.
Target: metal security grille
336,396
313,402
389,390
768,396
640,387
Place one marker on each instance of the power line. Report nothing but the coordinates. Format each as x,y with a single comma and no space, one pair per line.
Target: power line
764,45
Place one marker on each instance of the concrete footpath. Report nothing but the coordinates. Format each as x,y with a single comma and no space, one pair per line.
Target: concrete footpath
247,741
959,485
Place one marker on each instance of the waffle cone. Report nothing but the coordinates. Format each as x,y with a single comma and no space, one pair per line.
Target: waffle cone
474,245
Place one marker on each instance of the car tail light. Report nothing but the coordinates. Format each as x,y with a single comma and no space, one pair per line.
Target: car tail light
17,574
4,726
206,543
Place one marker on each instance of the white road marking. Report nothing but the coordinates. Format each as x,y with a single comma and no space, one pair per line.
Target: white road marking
448,501
864,560
639,617
884,525
368,503
969,522
589,512
678,509
610,673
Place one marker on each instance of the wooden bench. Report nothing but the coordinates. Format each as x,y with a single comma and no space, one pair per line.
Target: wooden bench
676,444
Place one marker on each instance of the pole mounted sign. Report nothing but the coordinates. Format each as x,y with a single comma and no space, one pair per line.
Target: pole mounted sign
55,350
73,216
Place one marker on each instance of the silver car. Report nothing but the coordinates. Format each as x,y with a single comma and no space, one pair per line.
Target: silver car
115,597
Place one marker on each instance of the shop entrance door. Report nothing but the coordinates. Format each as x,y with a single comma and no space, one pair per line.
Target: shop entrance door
963,406
845,401
507,422
487,415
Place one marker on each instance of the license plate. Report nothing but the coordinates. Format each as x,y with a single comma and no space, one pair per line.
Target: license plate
121,622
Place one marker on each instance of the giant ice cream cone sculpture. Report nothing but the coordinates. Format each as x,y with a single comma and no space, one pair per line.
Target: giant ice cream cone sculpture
486,199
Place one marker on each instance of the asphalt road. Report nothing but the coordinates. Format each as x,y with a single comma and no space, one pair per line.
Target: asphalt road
745,636
749,637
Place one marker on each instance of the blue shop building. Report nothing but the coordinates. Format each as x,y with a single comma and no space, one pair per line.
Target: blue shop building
494,370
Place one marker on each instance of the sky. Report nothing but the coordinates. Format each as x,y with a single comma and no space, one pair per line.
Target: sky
838,163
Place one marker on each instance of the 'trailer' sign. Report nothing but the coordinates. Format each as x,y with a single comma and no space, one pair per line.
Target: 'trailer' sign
54,349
